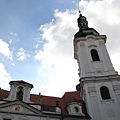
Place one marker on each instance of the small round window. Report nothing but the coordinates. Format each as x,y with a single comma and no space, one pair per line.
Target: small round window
76,109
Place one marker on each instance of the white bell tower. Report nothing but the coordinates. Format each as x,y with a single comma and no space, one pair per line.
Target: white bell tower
99,82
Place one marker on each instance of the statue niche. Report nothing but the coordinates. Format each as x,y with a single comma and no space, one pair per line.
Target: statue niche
20,93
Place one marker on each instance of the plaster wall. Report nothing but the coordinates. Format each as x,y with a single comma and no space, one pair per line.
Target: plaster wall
100,109
25,117
89,67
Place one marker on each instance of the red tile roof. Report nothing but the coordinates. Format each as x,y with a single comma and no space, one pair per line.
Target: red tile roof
51,101
68,97
4,94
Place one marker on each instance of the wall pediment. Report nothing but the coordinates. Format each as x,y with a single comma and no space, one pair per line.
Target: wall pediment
18,107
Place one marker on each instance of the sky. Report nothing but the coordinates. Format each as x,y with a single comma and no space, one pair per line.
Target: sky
36,40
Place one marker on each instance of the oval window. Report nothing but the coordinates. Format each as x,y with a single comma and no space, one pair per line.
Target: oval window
76,109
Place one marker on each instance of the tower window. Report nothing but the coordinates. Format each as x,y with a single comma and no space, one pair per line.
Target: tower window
105,93
20,93
84,24
95,56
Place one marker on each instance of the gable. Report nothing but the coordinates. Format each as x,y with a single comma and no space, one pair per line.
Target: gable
18,107
75,108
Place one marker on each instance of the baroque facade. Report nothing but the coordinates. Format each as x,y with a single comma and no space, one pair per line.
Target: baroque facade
19,104
97,96
99,82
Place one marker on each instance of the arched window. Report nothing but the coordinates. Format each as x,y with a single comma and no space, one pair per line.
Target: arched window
105,93
20,93
95,56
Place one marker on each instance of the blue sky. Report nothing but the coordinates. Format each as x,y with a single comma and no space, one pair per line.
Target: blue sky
23,18
36,39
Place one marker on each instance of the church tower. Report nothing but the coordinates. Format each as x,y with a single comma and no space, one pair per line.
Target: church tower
99,82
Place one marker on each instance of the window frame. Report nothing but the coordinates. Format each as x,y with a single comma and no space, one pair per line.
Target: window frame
94,55
105,91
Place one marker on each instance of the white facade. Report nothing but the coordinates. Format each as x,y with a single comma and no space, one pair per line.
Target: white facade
99,82
87,66
18,110
19,104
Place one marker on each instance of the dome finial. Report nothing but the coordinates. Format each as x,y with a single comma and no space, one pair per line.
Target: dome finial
79,11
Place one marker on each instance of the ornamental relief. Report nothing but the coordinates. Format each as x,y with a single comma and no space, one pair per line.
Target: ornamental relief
82,44
92,91
17,108
101,42
116,89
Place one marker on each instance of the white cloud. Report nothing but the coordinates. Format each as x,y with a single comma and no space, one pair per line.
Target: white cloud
13,64
107,11
21,55
4,49
14,34
13,37
10,41
57,54
105,19
58,49
4,77
36,46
